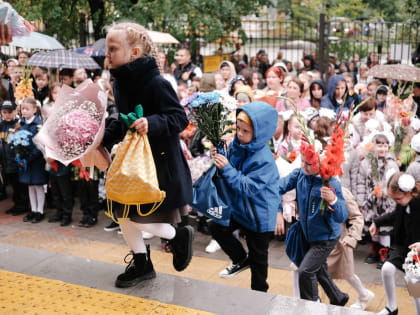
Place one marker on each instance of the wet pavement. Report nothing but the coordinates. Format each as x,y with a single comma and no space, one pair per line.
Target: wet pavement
92,257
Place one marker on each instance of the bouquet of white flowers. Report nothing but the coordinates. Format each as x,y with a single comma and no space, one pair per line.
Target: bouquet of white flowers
411,267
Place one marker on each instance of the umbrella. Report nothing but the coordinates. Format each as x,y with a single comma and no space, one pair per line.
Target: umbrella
89,51
158,38
62,59
36,40
397,72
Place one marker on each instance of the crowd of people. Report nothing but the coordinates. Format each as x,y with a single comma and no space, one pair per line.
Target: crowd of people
369,203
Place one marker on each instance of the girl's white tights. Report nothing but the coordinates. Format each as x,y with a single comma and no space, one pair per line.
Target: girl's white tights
295,282
37,198
388,279
355,282
133,236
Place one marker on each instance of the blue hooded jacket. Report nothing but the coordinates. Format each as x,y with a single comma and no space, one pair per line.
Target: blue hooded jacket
315,226
252,172
329,101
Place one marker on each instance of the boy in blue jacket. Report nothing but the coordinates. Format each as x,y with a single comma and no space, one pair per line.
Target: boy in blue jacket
321,231
251,173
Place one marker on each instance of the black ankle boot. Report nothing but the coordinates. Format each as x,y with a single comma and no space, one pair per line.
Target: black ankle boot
182,247
139,268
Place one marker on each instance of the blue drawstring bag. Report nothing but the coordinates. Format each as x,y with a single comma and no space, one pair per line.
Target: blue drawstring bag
296,244
211,197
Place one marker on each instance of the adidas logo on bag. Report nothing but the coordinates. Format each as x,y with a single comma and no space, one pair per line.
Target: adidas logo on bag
216,212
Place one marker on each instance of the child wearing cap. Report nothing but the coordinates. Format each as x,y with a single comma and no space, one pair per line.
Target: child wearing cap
8,126
251,173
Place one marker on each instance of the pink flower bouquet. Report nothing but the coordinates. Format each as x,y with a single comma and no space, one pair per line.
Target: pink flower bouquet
75,126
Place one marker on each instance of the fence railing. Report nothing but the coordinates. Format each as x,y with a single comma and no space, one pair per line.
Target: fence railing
396,41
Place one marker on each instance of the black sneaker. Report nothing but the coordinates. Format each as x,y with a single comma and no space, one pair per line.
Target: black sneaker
181,247
83,221
234,269
66,221
372,259
112,227
139,268
343,301
38,217
91,221
56,218
29,217
10,211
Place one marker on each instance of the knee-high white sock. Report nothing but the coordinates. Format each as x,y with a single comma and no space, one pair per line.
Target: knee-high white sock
417,305
163,230
388,280
133,236
355,282
295,282
40,198
32,197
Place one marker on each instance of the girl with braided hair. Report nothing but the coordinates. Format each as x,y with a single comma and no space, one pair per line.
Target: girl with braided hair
132,59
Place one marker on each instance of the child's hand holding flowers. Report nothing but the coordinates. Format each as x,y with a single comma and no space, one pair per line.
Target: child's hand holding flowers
219,160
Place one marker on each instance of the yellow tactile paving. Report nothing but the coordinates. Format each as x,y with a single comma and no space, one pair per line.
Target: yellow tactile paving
23,294
201,268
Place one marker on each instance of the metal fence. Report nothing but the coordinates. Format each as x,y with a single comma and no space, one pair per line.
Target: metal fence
390,41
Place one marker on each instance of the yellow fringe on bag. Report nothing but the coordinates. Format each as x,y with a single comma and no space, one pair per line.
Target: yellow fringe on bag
131,179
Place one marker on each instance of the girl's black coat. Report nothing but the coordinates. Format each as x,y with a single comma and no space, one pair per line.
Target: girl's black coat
139,82
406,225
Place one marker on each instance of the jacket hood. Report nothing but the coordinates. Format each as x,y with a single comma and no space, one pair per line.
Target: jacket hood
332,84
264,121
141,69
232,68
320,83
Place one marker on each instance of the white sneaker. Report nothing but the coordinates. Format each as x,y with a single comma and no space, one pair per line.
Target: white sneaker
212,247
362,303
234,269
147,235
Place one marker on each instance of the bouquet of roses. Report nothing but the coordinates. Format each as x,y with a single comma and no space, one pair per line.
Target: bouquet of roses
21,143
411,267
75,126
209,113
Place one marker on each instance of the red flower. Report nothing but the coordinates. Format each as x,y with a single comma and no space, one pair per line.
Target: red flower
403,114
292,156
406,121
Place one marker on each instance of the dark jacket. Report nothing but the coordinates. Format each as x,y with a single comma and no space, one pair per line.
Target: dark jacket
10,166
329,101
35,174
139,82
406,225
179,71
41,95
252,172
321,84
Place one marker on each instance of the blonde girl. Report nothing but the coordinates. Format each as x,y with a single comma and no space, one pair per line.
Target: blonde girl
133,63
33,173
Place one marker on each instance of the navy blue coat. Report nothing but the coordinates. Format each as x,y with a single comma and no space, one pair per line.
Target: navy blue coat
35,173
140,82
7,155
